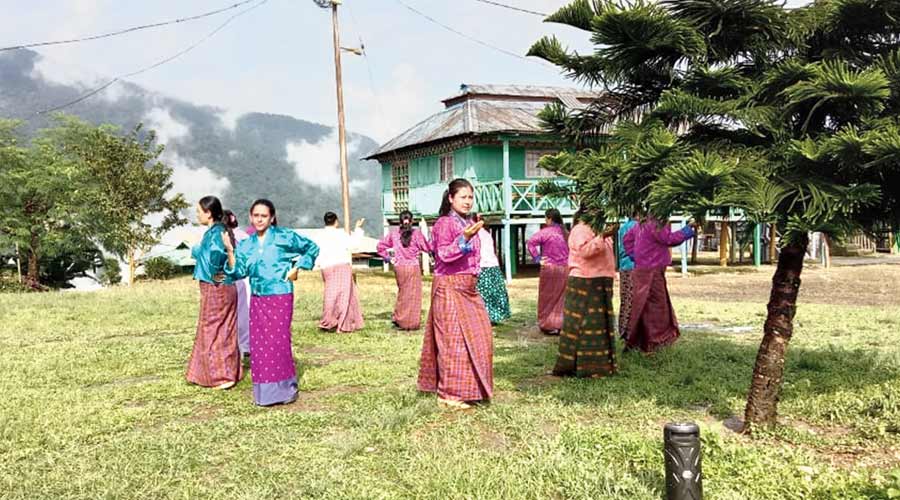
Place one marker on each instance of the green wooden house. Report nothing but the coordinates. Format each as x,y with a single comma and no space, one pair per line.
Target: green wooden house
491,135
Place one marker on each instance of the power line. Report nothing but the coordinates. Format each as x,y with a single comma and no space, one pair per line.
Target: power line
127,30
512,7
471,38
97,90
379,112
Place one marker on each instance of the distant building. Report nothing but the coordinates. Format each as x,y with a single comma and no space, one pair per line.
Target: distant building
491,135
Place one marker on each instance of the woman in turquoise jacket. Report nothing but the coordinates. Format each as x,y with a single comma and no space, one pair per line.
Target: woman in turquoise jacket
270,258
215,360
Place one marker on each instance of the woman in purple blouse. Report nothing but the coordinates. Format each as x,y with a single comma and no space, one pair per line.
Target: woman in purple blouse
652,323
550,248
457,350
403,248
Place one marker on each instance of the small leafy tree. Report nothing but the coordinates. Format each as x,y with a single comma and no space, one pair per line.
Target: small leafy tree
790,114
129,207
39,202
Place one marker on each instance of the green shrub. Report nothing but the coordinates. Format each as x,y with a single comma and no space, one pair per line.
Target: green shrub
160,268
112,272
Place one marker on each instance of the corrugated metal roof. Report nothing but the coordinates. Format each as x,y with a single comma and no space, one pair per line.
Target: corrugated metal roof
483,109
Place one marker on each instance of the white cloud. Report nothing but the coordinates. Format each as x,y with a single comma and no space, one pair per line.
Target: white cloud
229,118
194,181
318,163
167,128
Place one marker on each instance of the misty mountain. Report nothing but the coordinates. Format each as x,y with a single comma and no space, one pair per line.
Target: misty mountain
213,151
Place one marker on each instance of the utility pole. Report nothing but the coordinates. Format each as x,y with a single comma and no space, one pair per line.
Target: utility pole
342,135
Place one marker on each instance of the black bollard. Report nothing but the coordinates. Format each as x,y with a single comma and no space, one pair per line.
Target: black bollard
681,448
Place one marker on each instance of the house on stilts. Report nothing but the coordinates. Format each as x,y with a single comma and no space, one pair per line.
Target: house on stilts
491,135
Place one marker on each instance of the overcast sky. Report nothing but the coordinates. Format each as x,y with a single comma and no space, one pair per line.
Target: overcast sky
278,57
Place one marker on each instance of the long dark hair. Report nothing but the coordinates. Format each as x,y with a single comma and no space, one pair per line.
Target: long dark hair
454,186
230,219
268,204
554,215
212,205
406,227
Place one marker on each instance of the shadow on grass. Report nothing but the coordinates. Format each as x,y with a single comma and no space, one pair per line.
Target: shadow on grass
704,372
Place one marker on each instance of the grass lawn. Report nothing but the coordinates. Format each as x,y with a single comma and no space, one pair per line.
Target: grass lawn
94,402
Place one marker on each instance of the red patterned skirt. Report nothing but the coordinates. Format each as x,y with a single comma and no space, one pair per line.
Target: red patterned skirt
408,310
551,297
340,308
215,359
652,323
457,358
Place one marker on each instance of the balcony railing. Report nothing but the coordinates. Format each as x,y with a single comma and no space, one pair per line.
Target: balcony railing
525,198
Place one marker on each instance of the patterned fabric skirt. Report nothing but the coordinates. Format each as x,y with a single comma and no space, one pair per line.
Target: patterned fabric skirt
408,310
551,297
272,363
243,315
652,323
457,358
492,288
340,308
626,290
215,359
586,344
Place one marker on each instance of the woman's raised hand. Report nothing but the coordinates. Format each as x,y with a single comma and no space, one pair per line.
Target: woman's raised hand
473,229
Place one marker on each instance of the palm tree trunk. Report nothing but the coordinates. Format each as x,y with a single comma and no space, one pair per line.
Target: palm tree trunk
132,267
768,373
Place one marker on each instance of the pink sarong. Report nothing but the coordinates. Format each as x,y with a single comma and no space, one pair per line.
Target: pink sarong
408,310
340,308
551,297
652,323
457,358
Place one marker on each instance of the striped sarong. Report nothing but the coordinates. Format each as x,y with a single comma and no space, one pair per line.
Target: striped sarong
586,344
340,308
652,323
492,288
551,297
215,359
272,362
626,290
408,309
457,358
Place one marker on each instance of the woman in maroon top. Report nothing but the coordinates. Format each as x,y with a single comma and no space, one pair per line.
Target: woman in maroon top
403,248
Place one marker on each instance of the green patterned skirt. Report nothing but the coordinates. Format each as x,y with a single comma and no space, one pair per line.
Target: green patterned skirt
586,343
492,288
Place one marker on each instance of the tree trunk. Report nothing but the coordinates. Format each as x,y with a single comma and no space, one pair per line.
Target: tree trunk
34,265
132,267
768,372
694,249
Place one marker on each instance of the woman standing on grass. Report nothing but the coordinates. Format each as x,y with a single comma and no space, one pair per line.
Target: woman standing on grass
626,286
457,350
652,323
586,344
549,247
403,249
243,290
267,258
491,283
215,360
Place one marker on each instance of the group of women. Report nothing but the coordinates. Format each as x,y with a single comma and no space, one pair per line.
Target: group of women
468,295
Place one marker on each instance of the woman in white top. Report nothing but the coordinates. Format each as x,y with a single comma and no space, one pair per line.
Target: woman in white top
340,308
491,282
